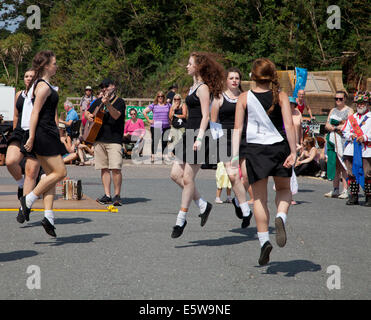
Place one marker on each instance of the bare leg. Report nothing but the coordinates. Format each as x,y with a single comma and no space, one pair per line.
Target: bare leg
31,172
177,173
13,158
283,194
117,181
106,181
261,212
189,175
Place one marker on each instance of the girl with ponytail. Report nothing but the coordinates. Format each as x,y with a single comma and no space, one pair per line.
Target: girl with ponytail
270,151
44,139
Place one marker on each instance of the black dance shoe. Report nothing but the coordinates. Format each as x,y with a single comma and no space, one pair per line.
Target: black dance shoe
204,216
237,209
264,253
178,230
280,232
117,201
20,216
49,228
246,221
25,210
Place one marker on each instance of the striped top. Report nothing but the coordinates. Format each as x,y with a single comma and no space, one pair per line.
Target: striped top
160,115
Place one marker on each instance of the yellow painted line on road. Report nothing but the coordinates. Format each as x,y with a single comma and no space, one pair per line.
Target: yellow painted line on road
109,209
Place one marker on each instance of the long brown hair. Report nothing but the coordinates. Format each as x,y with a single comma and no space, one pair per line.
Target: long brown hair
41,59
159,93
264,71
211,71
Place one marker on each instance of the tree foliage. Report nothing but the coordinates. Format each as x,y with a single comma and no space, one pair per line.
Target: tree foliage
144,44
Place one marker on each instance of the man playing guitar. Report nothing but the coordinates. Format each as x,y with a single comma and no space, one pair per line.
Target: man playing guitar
107,145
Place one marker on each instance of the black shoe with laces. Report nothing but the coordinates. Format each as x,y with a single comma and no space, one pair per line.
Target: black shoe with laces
281,236
25,210
204,216
246,221
237,209
117,201
20,216
264,253
178,230
20,193
49,228
104,200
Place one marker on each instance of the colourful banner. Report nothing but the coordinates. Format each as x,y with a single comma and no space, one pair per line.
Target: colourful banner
139,112
301,80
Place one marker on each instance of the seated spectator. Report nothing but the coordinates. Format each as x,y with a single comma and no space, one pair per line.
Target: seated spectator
322,157
308,161
71,116
134,130
70,147
85,154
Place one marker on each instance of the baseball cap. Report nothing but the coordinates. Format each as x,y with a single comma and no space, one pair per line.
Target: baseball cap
106,82
293,100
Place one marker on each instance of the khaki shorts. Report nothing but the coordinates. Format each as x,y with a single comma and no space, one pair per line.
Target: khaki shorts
107,155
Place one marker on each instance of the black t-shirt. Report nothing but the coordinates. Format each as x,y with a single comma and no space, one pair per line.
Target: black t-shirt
112,130
170,96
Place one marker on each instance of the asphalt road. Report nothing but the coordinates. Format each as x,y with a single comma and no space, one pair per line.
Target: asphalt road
130,254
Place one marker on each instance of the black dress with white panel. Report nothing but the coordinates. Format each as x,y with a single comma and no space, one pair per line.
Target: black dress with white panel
267,146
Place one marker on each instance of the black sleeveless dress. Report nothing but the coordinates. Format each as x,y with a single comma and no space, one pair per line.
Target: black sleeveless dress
47,139
263,160
17,134
184,148
226,119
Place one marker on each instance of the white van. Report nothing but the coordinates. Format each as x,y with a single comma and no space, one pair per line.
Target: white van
7,96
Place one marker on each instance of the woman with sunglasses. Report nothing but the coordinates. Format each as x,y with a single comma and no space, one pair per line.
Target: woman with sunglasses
134,130
177,117
192,150
159,124
335,144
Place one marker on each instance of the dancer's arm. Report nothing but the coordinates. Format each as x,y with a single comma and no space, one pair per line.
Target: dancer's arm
241,109
203,94
289,128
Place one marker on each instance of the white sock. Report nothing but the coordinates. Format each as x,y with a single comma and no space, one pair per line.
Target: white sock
236,201
263,237
282,215
181,218
30,199
201,204
229,198
245,209
20,182
49,214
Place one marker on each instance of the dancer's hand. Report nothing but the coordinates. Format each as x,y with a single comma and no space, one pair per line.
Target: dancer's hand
360,139
197,145
290,160
29,144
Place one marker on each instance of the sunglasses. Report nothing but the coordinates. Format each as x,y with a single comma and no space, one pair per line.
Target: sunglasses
177,99
160,96
133,114
339,99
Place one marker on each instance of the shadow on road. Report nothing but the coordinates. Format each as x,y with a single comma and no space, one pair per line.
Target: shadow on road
134,200
248,234
77,220
292,268
81,238
17,255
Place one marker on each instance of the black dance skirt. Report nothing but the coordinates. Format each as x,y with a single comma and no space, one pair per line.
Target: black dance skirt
47,142
184,152
21,136
263,161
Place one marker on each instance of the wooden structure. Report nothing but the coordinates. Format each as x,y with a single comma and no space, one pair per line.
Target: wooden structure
319,90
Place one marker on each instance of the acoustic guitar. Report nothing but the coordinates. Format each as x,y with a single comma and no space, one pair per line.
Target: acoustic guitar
92,128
